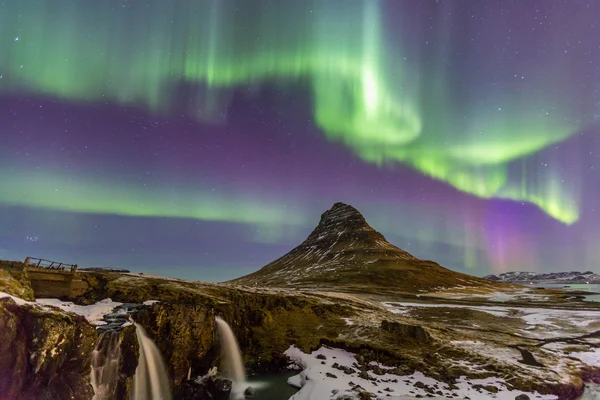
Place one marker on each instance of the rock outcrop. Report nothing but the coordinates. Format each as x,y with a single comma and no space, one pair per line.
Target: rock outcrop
406,332
206,389
16,283
128,364
184,334
44,354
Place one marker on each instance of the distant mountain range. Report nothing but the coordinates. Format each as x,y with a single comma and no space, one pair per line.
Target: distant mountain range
549,277
104,269
344,252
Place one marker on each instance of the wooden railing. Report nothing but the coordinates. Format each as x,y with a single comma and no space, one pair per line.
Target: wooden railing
48,264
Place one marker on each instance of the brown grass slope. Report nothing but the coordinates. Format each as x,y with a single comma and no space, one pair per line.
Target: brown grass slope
344,253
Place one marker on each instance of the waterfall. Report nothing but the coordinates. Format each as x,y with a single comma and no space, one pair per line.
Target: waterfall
233,357
105,365
150,381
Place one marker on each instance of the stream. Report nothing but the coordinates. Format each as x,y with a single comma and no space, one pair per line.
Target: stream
272,386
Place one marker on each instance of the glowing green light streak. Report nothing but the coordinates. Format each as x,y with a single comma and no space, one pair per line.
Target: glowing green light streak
59,192
93,52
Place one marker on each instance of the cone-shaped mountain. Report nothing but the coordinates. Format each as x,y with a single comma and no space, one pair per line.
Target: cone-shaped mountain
344,253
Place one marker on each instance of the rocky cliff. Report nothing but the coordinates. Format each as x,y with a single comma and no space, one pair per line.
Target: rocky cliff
182,323
266,322
44,354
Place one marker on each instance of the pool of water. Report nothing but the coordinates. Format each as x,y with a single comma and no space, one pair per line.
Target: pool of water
272,386
579,287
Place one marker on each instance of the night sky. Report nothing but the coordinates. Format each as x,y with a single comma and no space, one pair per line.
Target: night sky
203,138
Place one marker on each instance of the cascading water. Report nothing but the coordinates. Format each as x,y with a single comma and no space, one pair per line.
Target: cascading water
105,365
234,367
150,381
233,357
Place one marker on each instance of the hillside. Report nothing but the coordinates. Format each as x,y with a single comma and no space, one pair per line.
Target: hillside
344,253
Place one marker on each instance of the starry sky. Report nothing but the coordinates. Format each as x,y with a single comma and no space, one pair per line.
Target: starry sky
203,138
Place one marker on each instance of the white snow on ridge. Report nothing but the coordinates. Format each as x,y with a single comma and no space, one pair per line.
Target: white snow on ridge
501,297
93,313
17,300
556,319
404,308
315,384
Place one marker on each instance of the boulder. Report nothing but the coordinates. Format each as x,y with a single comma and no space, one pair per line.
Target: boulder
205,389
410,332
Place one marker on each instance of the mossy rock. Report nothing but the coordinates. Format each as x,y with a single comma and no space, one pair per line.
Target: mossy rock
45,354
16,284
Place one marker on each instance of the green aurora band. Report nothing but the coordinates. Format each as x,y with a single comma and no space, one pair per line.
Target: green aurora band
53,191
364,94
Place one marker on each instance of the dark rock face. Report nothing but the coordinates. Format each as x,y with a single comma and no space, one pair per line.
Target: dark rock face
414,332
207,389
118,317
343,251
44,354
129,362
184,334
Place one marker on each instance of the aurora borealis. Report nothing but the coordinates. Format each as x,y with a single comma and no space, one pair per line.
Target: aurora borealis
204,138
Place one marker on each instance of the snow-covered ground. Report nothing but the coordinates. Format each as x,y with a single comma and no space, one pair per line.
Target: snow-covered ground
537,322
93,313
319,380
17,300
469,293
591,357
560,359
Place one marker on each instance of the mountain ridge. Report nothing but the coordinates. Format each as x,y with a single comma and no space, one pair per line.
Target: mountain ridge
344,252
575,277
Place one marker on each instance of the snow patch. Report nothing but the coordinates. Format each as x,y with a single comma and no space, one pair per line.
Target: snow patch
551,322
589,357
320,381
93,313
17,300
